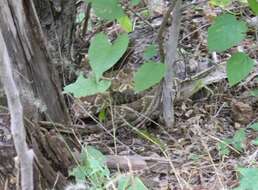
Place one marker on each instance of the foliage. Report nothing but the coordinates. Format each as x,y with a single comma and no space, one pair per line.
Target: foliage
248,179
125,23
131,183
93,167
87,86
237,141
135,2
103,55
225,33
107,9
255,141
221,3
254,126
223,147
150,52
254,92
253,5
220,36
149,74
238,67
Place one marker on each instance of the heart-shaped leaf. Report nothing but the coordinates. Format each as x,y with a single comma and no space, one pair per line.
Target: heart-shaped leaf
225,33
86,87
107,9
103,54
149,74
238,67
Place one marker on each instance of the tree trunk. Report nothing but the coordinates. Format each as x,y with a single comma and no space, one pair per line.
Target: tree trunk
39,89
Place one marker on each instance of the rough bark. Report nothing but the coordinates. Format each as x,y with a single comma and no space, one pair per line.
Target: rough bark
25,155
39,89
57,20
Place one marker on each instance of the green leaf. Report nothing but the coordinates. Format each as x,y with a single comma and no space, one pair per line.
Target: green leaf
194,157
253,4
221,3
97,170
124,182
89,152
150,52
238,67
225,33
255,141
135,2
126,23
239,139
103,55
254,92
131,183
137,184
149,74
248,179
86,87
223,148
102,115
254,126
107,9
79,173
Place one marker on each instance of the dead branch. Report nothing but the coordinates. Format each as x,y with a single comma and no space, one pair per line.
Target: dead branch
126,162
170,58
160,37
25,155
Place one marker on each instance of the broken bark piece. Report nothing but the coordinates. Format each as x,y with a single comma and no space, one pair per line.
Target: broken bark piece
126,162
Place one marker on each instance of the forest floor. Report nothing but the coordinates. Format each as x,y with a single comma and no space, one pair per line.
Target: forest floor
191,155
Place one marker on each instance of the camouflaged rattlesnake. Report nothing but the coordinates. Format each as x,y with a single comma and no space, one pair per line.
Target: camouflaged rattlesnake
121,96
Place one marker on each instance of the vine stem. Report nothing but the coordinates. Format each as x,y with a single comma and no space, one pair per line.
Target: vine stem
24,154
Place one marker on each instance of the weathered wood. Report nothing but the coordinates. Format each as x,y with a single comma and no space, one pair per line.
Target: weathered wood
39,89
24,154
168,94
37,82
57,23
